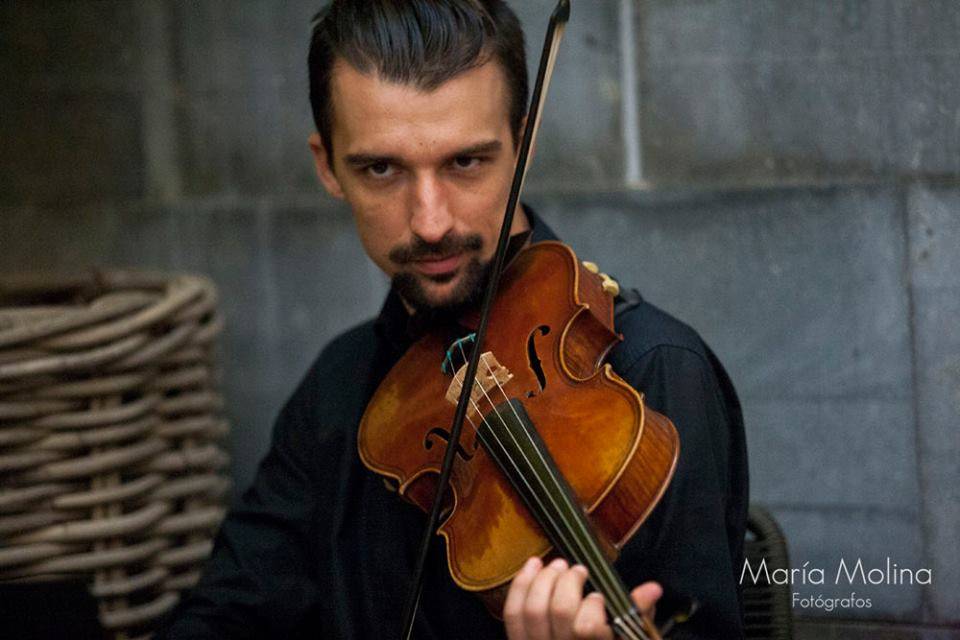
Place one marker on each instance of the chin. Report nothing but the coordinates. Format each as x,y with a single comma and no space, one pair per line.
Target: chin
430,293
443,294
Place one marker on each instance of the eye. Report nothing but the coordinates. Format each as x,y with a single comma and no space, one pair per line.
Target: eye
467,162
380,169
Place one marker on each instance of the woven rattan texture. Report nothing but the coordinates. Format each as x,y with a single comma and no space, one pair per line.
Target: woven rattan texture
111,465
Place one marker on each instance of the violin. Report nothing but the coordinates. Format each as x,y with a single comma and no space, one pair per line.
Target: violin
560,456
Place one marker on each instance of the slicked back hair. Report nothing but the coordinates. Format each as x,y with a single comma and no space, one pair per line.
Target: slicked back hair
421,43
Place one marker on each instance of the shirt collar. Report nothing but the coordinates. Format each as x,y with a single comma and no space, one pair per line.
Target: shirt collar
395,325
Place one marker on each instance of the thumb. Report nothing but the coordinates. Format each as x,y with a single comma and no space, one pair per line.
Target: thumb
645,597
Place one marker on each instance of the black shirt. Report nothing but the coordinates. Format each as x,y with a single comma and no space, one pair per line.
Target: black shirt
317,547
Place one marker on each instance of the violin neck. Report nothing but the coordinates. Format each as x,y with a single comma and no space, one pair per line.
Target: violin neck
512,441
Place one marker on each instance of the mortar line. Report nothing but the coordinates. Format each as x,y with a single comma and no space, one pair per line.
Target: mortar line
162,178
925,601
630,97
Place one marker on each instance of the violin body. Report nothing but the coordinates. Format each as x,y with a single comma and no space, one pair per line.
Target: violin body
551,326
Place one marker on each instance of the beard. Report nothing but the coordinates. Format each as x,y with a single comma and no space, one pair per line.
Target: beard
467,292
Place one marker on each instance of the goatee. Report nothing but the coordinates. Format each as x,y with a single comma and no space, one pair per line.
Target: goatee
466,294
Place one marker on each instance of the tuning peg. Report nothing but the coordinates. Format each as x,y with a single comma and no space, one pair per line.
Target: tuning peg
591,266
610,285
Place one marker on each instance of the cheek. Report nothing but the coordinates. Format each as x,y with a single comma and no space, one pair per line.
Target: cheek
485,204
380,229
490,189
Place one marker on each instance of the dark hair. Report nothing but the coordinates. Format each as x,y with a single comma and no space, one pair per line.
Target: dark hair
423,43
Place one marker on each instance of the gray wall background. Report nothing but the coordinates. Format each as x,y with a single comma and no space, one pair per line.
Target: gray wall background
782,175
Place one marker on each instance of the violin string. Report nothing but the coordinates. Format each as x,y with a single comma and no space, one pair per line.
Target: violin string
531,490
513,462
587,544
476,407
629,628
537,449
627,617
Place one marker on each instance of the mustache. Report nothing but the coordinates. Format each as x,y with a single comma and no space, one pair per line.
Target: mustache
447,246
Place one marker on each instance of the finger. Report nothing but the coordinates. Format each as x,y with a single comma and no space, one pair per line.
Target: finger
645,597
516,596
590,623
565,601
536,618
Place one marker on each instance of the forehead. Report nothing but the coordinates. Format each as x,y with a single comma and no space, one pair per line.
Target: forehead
373,115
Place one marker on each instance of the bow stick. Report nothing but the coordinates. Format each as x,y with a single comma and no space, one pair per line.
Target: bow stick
551,45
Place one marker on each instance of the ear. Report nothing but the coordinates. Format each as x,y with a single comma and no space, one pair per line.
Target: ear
324,171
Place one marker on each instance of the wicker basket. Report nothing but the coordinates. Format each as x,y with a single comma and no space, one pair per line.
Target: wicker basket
110,424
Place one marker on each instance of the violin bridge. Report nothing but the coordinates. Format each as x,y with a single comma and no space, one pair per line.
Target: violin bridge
490,375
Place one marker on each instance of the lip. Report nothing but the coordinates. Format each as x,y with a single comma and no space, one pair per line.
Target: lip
435,267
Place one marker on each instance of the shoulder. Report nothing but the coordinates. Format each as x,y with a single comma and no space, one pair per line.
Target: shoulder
669,361
676,370
342,352
347,348
331,380
648,330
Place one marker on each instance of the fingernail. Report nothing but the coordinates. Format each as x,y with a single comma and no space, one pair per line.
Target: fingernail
579,568
531,564
559,564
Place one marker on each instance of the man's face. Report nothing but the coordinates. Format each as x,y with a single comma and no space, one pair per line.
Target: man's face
427,175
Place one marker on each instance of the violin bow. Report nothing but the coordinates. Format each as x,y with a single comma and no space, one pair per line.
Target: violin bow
548,57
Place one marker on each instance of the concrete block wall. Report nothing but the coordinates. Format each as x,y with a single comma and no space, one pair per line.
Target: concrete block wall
783,176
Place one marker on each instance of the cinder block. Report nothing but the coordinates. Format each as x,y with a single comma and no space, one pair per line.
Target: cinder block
922,93
324,282
801,294
935,260
800,291
228,242
813,629
252,141
740,92
938,411
71,119
580,145
65,148
53,240
820,539
147,237
934,236
75,45
844,453
225,46
692,31
243,111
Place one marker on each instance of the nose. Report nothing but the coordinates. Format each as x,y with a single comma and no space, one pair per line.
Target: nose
430,217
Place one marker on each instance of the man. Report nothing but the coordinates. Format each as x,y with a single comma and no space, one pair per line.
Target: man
419,106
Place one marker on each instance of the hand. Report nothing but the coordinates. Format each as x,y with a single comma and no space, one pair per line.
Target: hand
547,603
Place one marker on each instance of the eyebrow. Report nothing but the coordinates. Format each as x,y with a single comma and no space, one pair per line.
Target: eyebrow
364,159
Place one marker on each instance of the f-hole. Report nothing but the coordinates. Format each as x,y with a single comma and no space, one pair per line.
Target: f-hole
534,359
444,435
